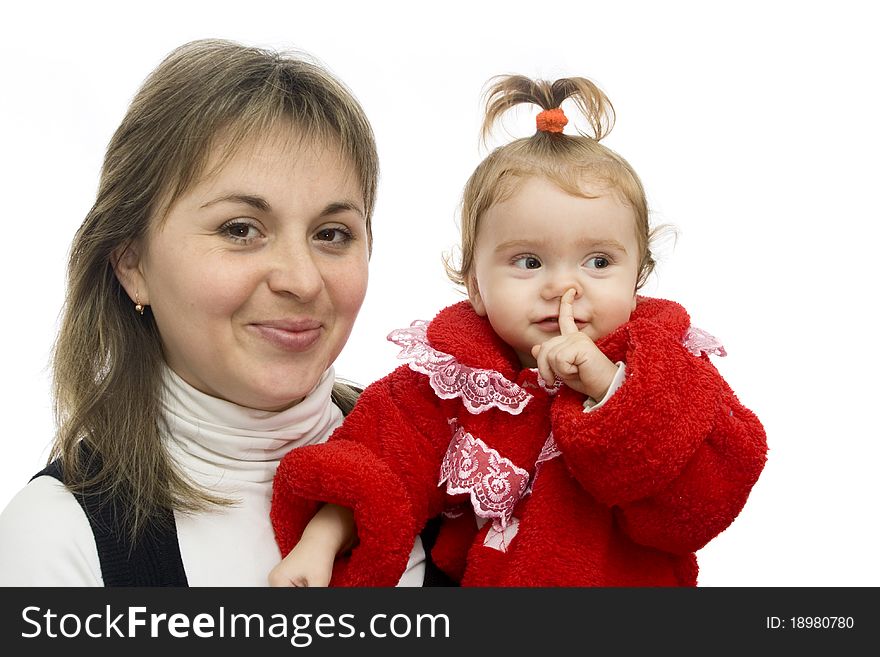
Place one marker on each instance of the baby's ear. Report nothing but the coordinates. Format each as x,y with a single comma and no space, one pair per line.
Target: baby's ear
126,261
474,295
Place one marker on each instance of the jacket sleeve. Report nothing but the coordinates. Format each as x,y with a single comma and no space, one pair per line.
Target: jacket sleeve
383,462
672,451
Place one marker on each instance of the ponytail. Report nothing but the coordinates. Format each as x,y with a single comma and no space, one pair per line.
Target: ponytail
507,91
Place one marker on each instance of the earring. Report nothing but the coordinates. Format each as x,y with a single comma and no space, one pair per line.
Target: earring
137,304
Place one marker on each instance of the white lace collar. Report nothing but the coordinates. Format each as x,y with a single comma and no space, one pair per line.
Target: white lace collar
478,389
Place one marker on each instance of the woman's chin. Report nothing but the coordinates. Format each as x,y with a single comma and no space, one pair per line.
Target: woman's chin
278,393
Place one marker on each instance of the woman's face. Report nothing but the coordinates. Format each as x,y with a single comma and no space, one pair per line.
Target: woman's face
257,273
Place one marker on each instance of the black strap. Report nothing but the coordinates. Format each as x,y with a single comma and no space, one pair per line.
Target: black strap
153,560
433,575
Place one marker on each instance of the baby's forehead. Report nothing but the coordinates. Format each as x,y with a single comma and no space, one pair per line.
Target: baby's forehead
540,186
544,197
542,215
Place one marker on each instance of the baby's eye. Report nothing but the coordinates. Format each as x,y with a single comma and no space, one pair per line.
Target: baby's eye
527,262
240,231
336,235
597,262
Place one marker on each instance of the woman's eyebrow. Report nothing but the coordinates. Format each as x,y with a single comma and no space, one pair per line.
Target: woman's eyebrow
260,203
257,202
338,207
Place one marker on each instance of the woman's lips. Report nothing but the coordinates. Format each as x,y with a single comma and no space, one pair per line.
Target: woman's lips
297,335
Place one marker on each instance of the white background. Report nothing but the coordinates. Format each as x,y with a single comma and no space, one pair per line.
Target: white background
754,127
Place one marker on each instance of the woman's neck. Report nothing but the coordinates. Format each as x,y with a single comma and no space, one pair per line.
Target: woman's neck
215,437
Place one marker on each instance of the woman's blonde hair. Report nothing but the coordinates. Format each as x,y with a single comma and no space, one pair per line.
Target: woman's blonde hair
108,361
566,160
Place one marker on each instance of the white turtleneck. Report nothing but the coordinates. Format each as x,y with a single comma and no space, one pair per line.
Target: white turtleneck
46,540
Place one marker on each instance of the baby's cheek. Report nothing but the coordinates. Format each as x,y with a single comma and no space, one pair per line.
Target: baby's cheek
616,316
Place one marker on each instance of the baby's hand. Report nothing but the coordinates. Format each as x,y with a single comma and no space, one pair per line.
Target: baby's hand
307,565
574,357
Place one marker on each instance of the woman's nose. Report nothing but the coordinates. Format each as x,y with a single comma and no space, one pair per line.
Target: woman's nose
294,271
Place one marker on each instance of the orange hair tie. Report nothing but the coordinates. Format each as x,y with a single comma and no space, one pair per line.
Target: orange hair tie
551,120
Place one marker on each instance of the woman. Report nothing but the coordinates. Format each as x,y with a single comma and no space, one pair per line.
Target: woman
210,289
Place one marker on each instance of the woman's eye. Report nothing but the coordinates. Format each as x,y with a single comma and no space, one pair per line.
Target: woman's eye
598,262
334,235
240,231
527,262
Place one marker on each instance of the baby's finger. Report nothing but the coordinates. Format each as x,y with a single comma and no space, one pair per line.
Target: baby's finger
566,313
544,368
560,359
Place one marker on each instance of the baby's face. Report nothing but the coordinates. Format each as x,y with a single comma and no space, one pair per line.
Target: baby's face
540,242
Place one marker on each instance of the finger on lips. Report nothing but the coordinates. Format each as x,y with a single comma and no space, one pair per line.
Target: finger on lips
566,313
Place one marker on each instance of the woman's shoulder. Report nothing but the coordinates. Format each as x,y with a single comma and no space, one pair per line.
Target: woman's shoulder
46,539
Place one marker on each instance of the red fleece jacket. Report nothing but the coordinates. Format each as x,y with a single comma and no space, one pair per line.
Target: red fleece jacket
642,482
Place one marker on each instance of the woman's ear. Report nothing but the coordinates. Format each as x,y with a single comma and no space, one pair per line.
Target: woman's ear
126,261
476,299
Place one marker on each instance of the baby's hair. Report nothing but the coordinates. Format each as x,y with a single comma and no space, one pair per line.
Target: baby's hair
508,91
566,160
